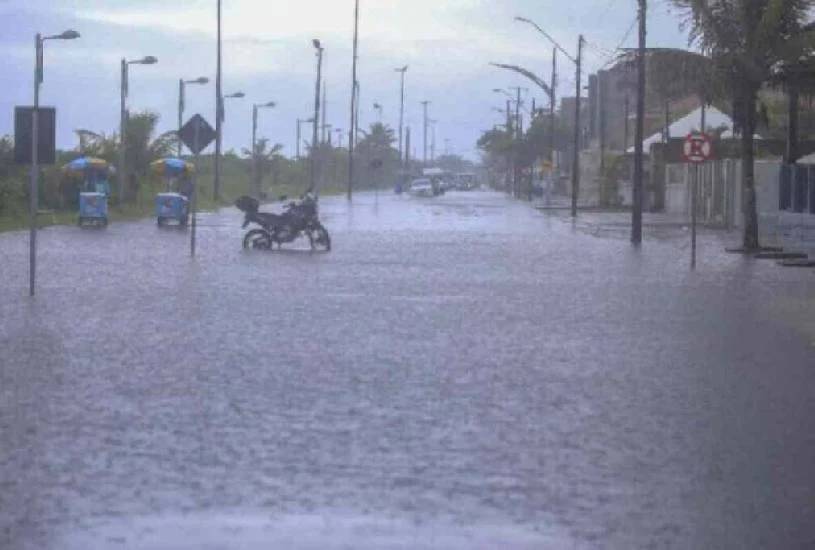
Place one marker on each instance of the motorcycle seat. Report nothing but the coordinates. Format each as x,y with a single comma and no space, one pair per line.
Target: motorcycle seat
268,219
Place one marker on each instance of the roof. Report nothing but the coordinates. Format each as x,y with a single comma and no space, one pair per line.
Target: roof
714,119
433,172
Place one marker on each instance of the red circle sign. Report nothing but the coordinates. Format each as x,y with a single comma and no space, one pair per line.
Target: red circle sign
697,148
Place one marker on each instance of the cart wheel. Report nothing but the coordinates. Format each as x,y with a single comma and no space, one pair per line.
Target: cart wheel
160,222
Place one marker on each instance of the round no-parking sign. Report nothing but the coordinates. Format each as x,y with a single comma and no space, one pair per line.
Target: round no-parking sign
697,148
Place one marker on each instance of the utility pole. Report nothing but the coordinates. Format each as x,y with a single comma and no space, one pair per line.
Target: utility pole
315,143
552,106
637,191
322,122
402,70
255,179
180,113
353,126
510,158
424,144
297,143
123,116
576,144
432,141
602,83
516,187
219,106
407,148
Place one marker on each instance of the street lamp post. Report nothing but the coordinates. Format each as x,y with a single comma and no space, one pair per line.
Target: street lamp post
216,185
316,123
378,109
182,98
424,126
402,71
577,62
352,132
432,123
255,178
125,85
33,206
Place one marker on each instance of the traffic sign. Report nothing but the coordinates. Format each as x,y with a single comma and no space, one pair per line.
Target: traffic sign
697,148
46,135
196,134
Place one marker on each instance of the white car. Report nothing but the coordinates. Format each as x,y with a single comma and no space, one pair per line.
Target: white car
422,187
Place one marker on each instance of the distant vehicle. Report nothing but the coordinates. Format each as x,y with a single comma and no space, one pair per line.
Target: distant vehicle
94,191
174,204
422,187
466,181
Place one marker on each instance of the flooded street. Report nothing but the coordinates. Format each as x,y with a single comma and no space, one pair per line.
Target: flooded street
459,372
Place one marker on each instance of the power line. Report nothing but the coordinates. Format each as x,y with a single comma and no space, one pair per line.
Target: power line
622,41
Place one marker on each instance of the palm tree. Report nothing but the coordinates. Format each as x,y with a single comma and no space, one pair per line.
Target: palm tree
376,151
746,39
267,159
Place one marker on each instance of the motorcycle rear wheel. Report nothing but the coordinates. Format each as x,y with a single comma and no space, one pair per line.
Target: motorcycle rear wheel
319,238
257,239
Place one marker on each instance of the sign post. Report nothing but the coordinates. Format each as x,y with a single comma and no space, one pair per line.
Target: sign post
196,134
697,148
34,144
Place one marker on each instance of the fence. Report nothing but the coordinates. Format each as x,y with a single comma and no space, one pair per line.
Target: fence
797,188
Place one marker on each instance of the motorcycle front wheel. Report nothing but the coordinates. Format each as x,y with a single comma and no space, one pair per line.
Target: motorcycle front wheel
319,238
257,239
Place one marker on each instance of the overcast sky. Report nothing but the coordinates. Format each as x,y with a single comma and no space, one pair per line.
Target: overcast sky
448,45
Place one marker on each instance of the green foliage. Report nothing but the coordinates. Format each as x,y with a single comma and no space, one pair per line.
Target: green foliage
11,178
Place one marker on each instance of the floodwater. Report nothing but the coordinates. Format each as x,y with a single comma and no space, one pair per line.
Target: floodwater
460,372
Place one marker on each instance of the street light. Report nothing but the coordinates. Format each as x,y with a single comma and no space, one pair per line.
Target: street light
402,71
219,103
300,122
424,144
314,143
255,108
182,97
39,42
123,116
222,110
577,61
378,108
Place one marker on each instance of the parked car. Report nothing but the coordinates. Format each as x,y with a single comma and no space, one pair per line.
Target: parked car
422,187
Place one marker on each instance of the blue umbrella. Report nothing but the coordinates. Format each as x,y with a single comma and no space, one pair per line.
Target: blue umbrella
84,165
170,167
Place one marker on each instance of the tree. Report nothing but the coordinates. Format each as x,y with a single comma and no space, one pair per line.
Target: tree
377,155
746,39
266,159
496,148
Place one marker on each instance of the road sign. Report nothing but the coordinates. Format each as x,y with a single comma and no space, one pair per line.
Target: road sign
46,136
196,134
697,148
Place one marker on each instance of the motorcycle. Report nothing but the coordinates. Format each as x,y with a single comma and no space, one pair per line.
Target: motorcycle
298,218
